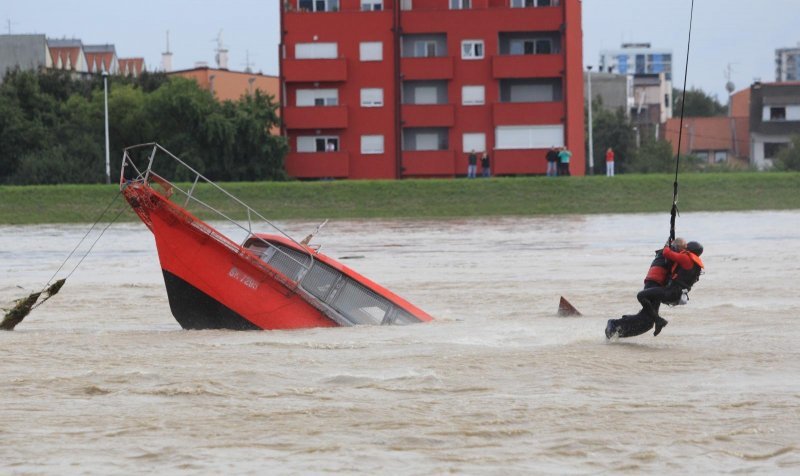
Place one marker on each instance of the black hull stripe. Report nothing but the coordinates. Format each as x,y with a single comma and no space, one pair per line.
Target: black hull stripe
194,309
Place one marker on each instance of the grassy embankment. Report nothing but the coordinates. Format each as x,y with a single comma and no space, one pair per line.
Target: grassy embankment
440,198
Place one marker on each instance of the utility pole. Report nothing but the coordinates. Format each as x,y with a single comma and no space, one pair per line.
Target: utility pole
591,140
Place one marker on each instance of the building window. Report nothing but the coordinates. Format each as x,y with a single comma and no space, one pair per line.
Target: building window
542,46
315,51
777,114
472,49
426,45
371,51
533,3
472,95
460,4
317,97
530,90
425,49
425,92
371,5
720,156
425,138
312,144
702,155
318,5
371,97
529,137
406,5
772,149
474,142
372,144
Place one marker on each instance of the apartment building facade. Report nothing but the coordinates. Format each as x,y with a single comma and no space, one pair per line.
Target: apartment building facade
409,88
637,58
787,64
774,119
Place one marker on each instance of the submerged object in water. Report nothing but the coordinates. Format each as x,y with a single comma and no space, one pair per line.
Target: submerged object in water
25,305
566,309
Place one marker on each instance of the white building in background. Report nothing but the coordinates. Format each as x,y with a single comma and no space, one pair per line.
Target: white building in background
787,64
637,58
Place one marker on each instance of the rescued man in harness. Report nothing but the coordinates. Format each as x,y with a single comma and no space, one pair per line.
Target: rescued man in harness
680,262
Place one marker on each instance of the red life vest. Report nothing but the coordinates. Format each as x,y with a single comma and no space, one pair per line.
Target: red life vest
683,277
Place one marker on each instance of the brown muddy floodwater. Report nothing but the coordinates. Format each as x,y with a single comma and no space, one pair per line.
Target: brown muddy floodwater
102,380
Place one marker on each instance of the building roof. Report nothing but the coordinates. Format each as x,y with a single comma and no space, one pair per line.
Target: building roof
107,48
64,43
66,54
224,71
131,66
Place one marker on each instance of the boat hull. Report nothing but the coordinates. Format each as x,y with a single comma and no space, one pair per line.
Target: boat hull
198,262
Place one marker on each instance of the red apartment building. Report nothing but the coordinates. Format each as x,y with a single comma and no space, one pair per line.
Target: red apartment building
407,88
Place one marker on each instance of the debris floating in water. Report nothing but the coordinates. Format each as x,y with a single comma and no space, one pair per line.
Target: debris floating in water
25,306
565,309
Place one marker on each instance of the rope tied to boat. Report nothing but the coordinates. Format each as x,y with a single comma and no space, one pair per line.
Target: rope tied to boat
24,306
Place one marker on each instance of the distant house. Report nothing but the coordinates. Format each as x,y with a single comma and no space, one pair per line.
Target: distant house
713,139
101,58
231,85
131,66
774,118
27,52
68,55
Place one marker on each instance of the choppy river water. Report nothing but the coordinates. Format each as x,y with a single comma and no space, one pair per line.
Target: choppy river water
102,380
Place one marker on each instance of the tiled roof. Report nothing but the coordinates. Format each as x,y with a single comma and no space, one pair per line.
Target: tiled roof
131,66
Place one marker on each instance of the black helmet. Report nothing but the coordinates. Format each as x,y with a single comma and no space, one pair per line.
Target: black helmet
695,247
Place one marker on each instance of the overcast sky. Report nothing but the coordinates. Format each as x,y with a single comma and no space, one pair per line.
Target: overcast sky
741,33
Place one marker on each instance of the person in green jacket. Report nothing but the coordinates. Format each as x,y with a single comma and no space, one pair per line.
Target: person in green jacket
563,161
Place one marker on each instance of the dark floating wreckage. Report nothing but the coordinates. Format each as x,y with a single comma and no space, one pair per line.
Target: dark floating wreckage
25,305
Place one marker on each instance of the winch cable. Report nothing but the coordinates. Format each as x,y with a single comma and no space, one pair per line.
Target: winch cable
674,211
24,306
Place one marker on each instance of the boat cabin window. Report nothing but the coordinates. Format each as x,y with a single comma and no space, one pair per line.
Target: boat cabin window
357,303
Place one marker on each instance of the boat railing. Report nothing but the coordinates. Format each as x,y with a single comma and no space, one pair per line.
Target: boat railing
131,173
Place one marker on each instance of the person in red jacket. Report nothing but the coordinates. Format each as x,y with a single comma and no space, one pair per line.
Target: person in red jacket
681,263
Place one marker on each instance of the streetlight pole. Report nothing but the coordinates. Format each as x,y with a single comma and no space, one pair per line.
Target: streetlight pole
591,140
105,95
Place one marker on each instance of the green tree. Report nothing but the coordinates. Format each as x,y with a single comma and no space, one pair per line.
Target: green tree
51,127
789,157
652,157
698,104
611,129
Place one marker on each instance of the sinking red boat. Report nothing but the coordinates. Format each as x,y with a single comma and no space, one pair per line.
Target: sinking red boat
264,281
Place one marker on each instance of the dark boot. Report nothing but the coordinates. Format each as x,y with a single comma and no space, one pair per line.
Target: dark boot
633,324
611,328
660,324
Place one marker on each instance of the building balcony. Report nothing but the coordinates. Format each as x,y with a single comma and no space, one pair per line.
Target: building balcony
527,66
527,113
428,115
318,164
429,163
519,162
321,117
438,67
314,70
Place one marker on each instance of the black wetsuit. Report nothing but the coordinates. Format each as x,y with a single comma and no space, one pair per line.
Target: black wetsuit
651,298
